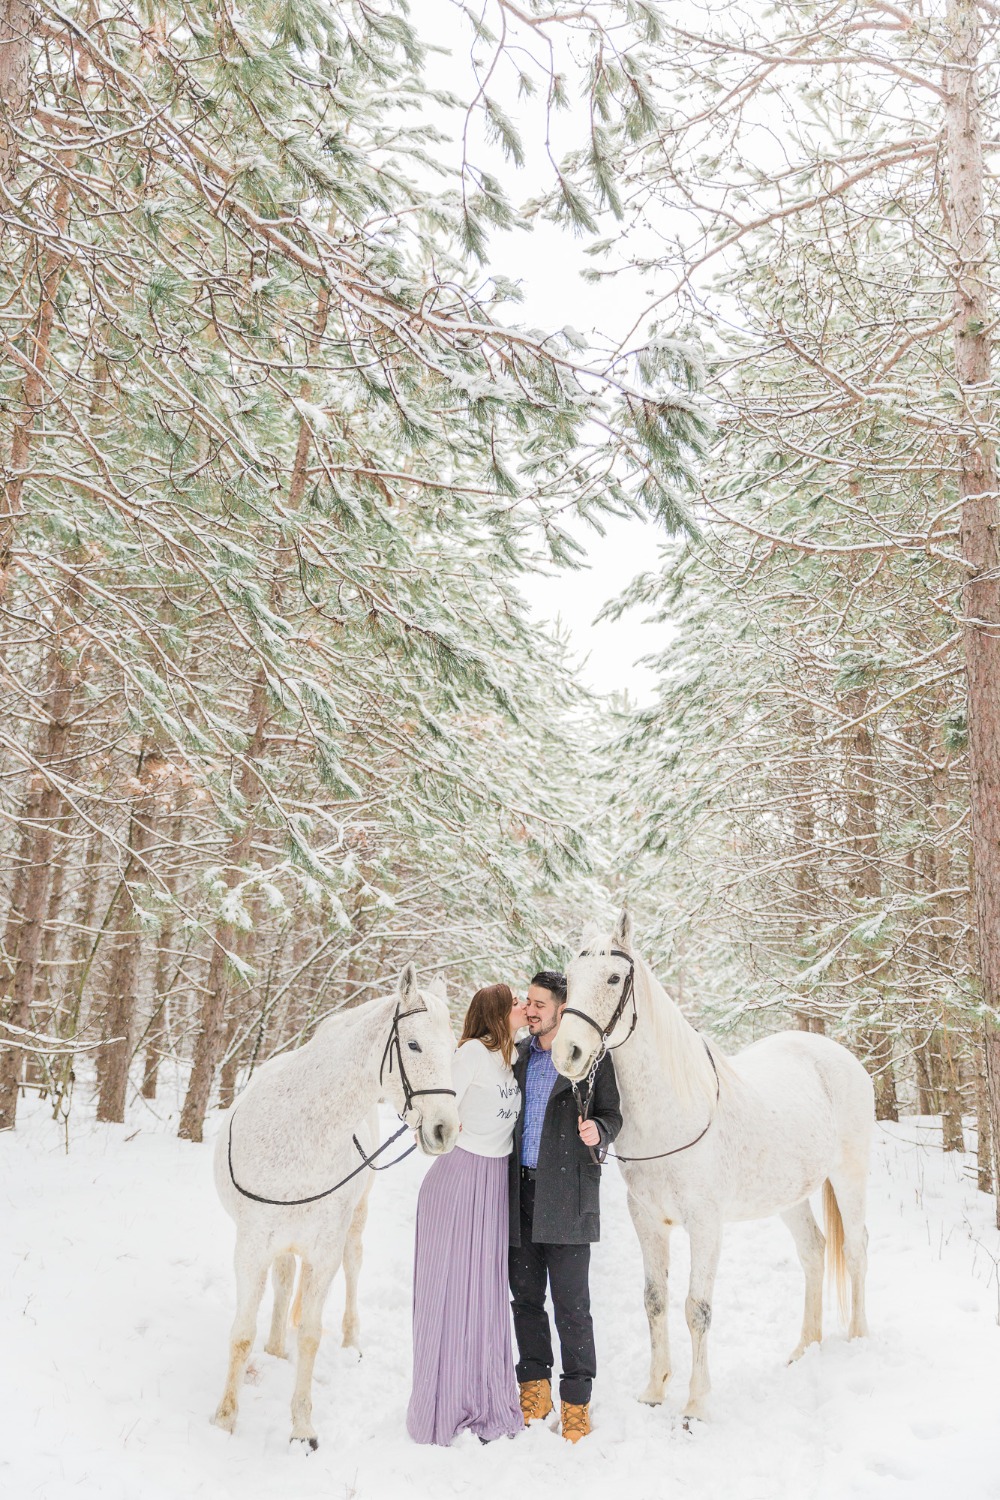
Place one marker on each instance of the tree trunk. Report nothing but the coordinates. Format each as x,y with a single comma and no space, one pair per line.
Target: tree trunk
973,336
159,1022
985,1178
32,390
17,22
927,1100
806,896
876,1054
952,1133
123,971
208,1042
211,1035
865,882
43,806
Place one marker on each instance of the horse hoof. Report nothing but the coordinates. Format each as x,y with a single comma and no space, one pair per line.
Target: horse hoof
304,1445
275,1352
651,1398
225,1421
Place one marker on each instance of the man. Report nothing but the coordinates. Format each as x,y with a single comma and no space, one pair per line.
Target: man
555,1213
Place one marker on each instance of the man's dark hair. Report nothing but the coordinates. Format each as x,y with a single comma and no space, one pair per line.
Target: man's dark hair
551,979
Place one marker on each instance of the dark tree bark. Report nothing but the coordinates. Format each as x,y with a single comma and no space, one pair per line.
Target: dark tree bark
123,971
865,882
927,1099
211,1036
973,335
159,1022
18,19
952,1133
43,806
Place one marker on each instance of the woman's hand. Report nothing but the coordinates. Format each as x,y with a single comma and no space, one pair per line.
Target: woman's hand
590,1135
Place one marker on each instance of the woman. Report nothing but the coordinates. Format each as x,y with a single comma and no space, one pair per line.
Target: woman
463,1369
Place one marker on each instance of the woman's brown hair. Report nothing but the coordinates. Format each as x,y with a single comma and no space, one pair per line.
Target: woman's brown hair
487,1020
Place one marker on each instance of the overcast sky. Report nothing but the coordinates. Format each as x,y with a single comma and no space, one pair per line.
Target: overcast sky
547,264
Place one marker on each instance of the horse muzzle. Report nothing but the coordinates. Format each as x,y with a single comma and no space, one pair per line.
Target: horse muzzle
571,1059
437,1132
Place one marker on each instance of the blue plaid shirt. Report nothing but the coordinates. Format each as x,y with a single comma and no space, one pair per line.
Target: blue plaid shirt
539,1082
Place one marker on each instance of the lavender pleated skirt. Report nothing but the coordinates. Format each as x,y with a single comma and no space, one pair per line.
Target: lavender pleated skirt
463,1368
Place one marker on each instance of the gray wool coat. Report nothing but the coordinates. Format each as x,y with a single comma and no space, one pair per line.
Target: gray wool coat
568,1184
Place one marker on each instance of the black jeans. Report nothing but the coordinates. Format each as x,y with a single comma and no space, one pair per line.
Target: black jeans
566,1268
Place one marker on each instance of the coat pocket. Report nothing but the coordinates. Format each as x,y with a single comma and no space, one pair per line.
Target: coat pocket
590,1188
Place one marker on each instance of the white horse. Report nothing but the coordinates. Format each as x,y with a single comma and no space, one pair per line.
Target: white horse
307,1123
786,1116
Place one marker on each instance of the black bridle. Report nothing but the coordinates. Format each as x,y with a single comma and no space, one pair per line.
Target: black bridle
583,1107
628,993
409,1094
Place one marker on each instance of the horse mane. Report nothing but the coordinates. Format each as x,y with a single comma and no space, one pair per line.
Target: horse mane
679,1046
344,1016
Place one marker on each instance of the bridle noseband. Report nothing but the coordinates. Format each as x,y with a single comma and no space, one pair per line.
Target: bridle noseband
409,1094
583,1109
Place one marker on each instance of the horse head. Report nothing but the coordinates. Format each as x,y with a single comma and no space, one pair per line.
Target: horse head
418,1081
598,999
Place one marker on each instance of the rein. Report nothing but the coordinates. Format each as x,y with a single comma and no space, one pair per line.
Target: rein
583,1109
409,1094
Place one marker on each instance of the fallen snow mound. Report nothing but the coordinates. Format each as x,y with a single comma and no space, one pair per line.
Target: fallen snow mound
116,1295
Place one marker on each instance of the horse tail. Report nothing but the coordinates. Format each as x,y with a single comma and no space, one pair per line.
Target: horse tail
836,1266
296,1313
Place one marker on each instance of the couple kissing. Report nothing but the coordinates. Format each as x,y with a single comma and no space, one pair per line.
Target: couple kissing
516,1205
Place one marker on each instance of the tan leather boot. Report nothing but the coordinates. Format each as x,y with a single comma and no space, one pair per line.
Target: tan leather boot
575,1421
536,1399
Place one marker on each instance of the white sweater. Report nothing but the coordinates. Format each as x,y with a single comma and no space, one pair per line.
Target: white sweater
488,1100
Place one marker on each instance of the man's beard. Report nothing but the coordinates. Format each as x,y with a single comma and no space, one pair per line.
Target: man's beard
542,1029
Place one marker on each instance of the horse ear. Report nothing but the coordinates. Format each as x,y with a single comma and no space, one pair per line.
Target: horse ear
623,931
438,987
409,993
590,937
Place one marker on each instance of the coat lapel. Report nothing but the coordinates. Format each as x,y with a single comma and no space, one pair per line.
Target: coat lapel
520,1071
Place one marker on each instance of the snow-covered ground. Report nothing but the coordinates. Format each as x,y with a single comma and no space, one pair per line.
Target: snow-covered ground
116,1296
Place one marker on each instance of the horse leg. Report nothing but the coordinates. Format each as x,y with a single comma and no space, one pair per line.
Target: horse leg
283,1281
353,1248
314,1288
654,1241
850,1189
706,1243
810,1244
251,1274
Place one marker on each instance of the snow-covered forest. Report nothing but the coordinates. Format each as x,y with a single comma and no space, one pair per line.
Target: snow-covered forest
287,467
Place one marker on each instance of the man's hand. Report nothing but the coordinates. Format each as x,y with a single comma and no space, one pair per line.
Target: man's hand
589,1133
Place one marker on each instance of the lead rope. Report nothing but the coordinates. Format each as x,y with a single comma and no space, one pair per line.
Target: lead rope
409,1094
583,1111
366,1161
583,1107
659,1155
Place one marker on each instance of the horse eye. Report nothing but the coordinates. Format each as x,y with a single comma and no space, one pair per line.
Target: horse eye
414,1046
615,979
